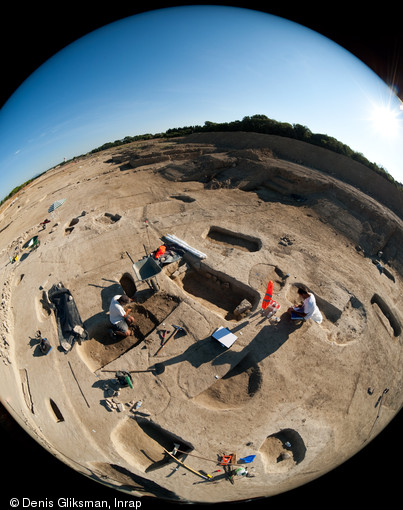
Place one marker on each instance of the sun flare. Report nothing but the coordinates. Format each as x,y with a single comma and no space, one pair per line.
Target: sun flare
385,120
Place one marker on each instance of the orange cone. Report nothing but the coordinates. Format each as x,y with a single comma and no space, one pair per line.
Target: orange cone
268,298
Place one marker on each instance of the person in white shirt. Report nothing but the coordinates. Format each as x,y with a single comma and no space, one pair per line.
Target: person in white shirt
119,318
308,309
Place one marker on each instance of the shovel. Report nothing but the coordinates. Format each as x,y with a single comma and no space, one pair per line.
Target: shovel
158,369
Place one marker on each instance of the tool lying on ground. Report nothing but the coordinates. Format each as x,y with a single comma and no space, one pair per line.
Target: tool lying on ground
222,462
172,455
78,384
176,330
163,333
378,402
158,369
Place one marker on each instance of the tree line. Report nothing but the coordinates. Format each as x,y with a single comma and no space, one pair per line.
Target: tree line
265,125
256,124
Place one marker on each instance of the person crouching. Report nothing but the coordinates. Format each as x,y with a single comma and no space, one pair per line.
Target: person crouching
119,318
306,310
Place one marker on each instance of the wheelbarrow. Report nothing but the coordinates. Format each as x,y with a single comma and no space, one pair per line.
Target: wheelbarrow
145,270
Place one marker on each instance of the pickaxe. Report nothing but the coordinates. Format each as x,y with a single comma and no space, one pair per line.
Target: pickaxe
176,330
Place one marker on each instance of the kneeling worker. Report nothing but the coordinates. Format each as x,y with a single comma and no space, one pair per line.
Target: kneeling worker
308,309
120,319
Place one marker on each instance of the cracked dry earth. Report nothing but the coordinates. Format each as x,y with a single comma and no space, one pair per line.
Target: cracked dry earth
300,397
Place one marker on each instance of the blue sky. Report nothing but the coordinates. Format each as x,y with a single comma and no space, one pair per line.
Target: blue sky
186,65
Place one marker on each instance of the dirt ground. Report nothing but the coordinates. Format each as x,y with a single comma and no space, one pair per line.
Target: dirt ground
299,397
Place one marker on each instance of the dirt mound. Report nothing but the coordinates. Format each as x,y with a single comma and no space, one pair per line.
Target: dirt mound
235,389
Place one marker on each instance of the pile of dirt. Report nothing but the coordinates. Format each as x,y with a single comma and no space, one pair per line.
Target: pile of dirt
235,389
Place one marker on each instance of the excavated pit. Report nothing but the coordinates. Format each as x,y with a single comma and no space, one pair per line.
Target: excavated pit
26,390
113,218
108,218
282,451
216,291
128,285
388,313
352,322
120,477
55,411
227,238
141,443
100,349
184,198
261,274
68,230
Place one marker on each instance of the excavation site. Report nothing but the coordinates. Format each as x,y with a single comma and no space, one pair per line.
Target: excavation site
213,388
